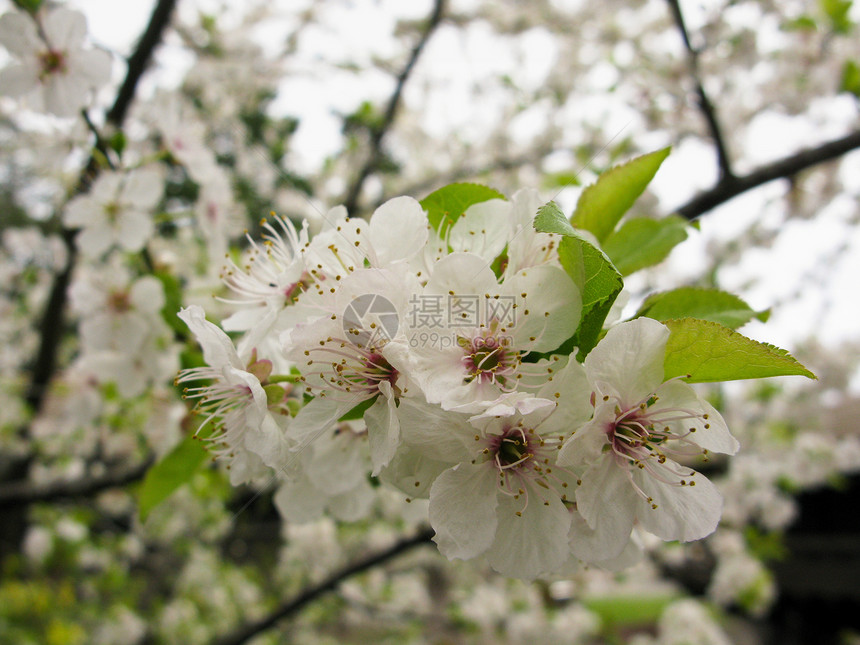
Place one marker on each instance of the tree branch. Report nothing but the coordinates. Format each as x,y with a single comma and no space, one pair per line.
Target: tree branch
730,187
51,327
705,104
249,630
23,492
379,132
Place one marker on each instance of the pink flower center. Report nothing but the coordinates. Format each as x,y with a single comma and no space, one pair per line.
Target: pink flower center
525,462
119,301
339,365
642,437
52,61
488,358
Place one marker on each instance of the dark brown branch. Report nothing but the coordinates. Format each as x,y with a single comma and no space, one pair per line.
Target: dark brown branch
23,492
52,325
705,104
246,632
378,133
790,166
139,59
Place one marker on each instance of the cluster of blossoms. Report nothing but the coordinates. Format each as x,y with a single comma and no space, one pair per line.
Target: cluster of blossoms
432,362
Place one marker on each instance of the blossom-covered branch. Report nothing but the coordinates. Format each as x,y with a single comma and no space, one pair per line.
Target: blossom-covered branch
246,632
53,320
23,492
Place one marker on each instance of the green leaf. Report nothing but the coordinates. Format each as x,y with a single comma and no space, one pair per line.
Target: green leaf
643,242
804,22
850,78
706,352
627,610
172,302
561,179
838,12
32,6
598,280
704,304
366,117
550,219
358,411
175,469
604,202
446,205
117,142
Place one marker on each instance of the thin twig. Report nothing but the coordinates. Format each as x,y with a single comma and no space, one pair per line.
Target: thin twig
705,104
23,492
787,167
379,132
246,632
53,320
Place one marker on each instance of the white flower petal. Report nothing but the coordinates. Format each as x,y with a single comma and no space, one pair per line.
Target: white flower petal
683,512
299,501
65,28
218,350
715,437
510,403
607,502
412,471
18,34
245,467
318,416
106,188
484,229
398,230
534,544
134,228
466,274
18,80
95,241
83,211
591,546
549,312
142,188
383,427
92,68
628,362
586,444
64,95
268,441
463,510
338,463
354,504
570,389
434,432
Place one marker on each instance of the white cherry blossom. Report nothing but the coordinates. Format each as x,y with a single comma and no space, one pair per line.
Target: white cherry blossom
117,211
53,69
491,328
346,356
627,453
248,412
504,496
